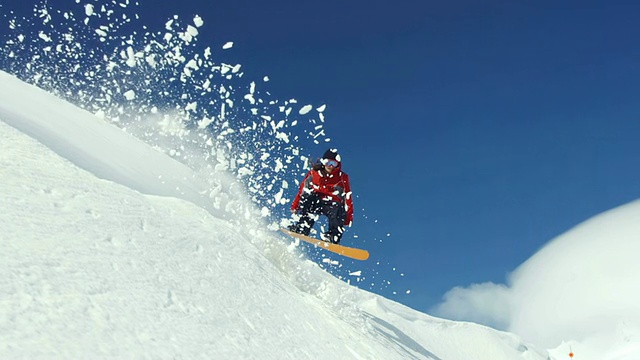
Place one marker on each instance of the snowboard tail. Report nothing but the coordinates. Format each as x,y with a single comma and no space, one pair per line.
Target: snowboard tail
349,252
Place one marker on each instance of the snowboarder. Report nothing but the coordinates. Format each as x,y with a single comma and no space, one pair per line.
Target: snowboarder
325,190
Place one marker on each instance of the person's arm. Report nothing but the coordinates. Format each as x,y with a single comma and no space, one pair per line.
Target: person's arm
348,200
296,202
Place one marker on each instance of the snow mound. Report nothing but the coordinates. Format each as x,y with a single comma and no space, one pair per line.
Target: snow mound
108,256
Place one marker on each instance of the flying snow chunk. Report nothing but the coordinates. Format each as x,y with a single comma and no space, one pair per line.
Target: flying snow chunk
278,197
205,122
193,106
284,137
88,9
197,20
101,33
189,34
331,262
321,108
131,57
151,60
192,31
305,109
228,45
44,36
130,95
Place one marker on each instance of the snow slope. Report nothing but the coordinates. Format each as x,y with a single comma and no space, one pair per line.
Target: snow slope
111,249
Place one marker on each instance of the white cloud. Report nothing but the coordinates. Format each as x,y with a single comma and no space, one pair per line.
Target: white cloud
485,303
584,285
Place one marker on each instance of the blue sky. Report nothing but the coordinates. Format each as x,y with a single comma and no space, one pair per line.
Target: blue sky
473,133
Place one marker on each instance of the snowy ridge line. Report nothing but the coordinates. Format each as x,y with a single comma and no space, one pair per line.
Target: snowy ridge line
124,164
96,269
181,98
63,128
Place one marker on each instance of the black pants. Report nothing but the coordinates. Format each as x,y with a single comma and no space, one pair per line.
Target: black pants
311,203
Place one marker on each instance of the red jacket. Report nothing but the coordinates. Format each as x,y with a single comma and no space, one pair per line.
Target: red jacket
335,186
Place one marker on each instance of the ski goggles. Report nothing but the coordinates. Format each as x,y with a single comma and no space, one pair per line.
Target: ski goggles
330,162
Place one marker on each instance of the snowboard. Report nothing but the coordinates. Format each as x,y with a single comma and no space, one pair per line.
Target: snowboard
349,252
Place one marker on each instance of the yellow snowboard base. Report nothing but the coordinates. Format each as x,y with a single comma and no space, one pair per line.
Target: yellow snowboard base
349,252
